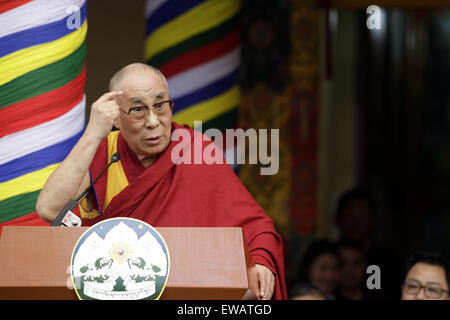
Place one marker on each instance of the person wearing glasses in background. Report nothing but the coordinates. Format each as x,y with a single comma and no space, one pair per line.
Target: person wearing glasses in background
427,277
147,184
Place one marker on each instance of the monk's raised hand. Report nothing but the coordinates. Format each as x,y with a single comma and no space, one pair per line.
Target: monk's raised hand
266,281
104,113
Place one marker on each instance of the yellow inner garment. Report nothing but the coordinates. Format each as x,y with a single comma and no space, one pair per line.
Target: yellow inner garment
116,180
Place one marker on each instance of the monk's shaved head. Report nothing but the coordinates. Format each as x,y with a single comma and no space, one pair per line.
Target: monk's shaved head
116,80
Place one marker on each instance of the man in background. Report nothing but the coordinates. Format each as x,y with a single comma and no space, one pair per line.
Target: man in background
427,277
355,215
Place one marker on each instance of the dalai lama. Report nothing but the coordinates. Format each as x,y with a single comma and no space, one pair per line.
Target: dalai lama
147,184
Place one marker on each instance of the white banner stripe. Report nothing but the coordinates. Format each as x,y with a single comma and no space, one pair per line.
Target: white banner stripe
153,5
35,13
21,143
203,75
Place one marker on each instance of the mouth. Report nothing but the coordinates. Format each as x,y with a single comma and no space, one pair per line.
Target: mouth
153,140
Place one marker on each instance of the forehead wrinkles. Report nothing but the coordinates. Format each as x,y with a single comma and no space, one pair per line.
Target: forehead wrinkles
147,95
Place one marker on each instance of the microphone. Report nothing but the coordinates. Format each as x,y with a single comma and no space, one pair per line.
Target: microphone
69,219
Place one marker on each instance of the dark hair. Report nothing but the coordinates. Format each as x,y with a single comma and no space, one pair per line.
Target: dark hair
357,193
315,249
304,289
431,258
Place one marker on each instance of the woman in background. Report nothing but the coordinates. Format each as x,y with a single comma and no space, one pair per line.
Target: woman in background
321,267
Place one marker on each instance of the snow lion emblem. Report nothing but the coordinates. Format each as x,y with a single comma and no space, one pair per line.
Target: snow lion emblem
120,259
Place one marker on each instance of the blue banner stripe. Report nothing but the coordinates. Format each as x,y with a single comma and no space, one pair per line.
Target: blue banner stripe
38,35
168,11
208,92
38,159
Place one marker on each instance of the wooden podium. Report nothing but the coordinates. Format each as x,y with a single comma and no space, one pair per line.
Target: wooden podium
206,263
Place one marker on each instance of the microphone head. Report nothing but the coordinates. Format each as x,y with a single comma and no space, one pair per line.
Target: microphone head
115,157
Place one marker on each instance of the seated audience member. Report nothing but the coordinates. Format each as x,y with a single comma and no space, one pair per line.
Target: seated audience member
352,283
306,291
320,267
427,277
355,215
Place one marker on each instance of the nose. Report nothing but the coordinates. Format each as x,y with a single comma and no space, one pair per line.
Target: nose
421,294
152,120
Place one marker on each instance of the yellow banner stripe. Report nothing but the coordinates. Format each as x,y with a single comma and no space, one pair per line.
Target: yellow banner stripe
27,183
209,109
200,18
23,61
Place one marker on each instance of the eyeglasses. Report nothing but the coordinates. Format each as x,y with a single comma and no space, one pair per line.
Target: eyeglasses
413,287
140,113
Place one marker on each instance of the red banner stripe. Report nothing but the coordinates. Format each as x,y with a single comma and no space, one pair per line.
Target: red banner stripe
202,54
11,4
42,108
31,219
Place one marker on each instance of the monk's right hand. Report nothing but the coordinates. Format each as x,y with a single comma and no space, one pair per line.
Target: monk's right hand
104,113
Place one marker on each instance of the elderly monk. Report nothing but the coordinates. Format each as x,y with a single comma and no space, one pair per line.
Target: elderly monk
147,184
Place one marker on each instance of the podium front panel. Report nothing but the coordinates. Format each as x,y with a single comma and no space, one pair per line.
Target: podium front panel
205,263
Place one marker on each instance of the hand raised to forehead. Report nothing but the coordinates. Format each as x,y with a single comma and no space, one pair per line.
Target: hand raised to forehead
104,112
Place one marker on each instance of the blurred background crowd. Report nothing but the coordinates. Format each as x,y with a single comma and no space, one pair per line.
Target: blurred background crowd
355,268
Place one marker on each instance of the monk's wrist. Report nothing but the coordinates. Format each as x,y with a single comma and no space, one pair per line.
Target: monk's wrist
92,137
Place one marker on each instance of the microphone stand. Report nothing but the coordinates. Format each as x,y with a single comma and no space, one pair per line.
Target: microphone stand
66,217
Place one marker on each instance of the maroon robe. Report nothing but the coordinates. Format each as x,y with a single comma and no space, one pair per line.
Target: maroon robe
190,195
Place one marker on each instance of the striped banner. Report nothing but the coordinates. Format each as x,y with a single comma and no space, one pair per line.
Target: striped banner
42,100
195,44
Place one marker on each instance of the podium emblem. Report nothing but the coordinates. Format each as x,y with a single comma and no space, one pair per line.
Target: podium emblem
120,259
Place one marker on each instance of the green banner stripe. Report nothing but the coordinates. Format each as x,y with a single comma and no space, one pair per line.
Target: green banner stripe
194,42
44,79
18,206
225,121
